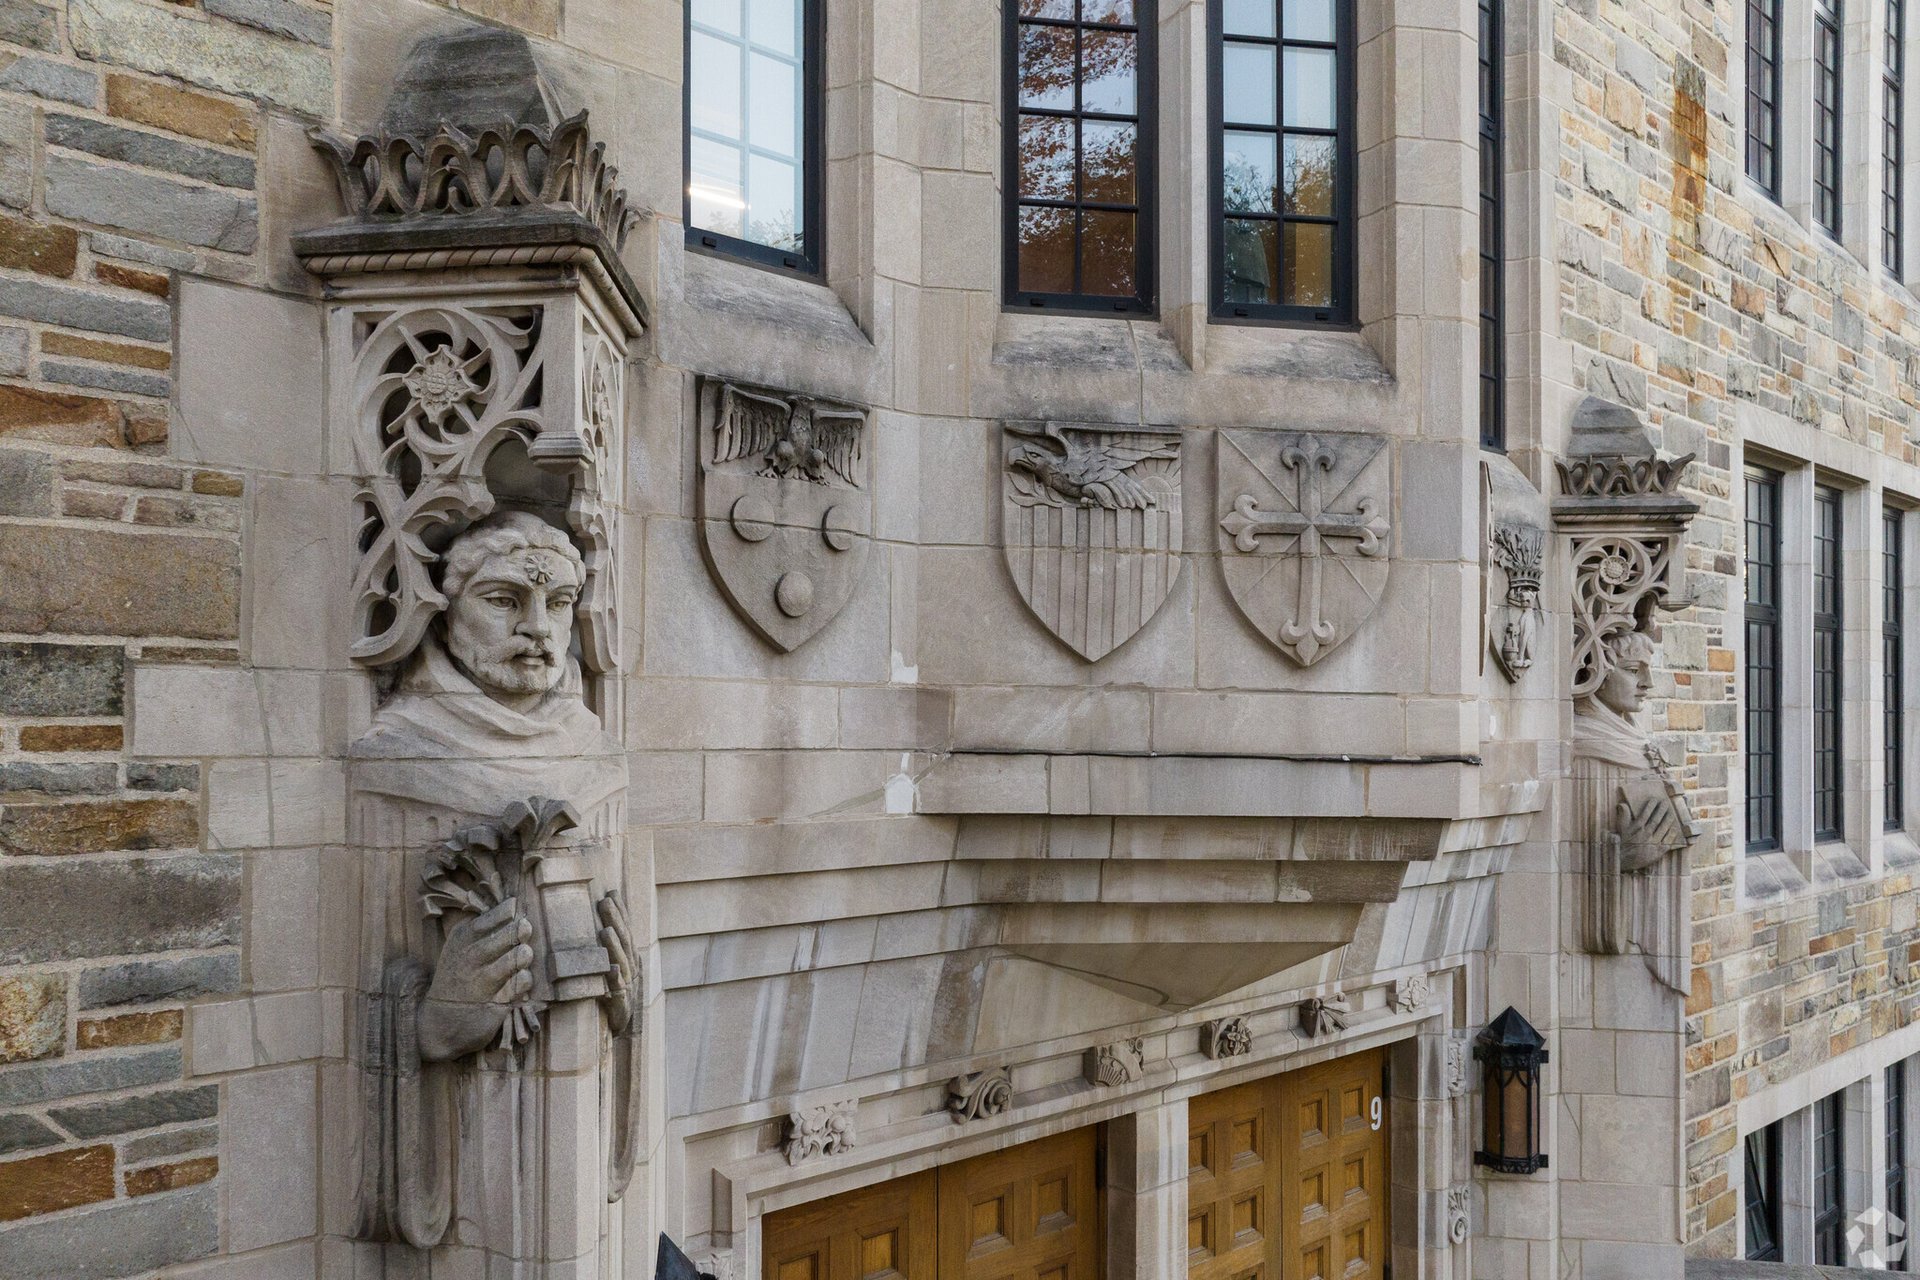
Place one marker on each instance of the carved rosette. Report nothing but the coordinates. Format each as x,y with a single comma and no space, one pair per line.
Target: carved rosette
827,1129
1411,994
980,1095
1226,1038
1108,1065
1325,1015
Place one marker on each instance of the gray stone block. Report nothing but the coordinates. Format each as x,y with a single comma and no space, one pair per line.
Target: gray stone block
79,309
26,483
62,679
145,1111
16,154
121,1238
280,17
32,25
128,249
59,779
13,352
52,80
106,378
219,55
142,776
155,152
151,981
26,1085
174,1142
81,909
23,1133
149,203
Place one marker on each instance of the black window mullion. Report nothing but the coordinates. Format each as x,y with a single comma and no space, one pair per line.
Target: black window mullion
1764,68
1829,1178
1894,134
1828,590
1493,429
1827,121
1762,1195
1893,658
1896,1123
1762,692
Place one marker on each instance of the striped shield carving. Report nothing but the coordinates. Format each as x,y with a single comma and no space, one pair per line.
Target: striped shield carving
1090,525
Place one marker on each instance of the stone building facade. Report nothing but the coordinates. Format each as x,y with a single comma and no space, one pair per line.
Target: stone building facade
974,759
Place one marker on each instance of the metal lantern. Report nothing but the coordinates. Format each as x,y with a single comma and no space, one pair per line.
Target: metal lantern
1512,1053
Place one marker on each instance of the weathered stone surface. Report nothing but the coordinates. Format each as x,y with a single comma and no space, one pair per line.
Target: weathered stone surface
85,309
33,1017
105,378
54,829
175,1142
54,343
215,55
23,1133
43,247
132,278
55,81
17,145
149,981
62,679
142,776
13,352
180,111
125,472
219,484
31,414
58,1180
280,17
54,1081
26,483
58,779
107,245
75,737
171,1177
29,24
126,1238
149,203
96,582
157,1027
145,1111
115,142
102,908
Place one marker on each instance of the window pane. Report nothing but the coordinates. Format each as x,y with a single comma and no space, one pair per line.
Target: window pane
1046,67
1058,9
1246,83
1309,173
1247,179
1110,59
1108,253
714,192
1046,157
776,25
1119,12
774,101
1252,251
714,86
1309,20
1309,265
721,15
1107,160
1247,17
1046,250
1309,81
773,203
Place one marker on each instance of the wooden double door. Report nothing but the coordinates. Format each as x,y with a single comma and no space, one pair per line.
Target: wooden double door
1030,1212
1287,1177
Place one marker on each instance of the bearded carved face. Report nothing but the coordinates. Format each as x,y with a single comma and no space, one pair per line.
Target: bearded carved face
510,624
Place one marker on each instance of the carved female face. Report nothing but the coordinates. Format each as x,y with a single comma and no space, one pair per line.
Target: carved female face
510,625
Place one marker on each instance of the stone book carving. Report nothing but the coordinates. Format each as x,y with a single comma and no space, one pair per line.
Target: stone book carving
1091,527
785,512
1319,505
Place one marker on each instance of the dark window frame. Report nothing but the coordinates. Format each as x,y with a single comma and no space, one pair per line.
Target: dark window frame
1764,90
811,262
1893,661
1829,664
1830,1181
1493,226
1760,1195
1761,716
1344,313
1895,1119
1829,114
1893,133
1146,207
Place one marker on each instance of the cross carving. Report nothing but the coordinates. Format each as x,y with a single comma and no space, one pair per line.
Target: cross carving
1318,530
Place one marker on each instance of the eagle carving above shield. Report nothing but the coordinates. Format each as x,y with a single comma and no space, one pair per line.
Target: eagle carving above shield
785,512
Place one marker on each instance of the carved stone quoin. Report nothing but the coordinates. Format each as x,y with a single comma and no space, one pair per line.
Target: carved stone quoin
982,1094
1519,552
1226,1038
1322,505
1090,526
828,1129
1108,1065
784,509
1622,507
1324,1015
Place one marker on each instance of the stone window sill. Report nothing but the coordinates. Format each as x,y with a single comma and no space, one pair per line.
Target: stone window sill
1780,876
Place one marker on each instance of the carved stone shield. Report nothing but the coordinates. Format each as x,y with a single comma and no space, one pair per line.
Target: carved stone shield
784,509
1305,534
1090,525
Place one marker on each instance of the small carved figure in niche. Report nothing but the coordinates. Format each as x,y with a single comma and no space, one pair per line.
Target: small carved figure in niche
1519,551
1636,822
829,1129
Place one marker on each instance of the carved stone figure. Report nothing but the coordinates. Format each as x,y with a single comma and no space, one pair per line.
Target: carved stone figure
784,507
1090,525
1412,993
1518,551
1458,1055
487,801
1226,1038
1324,1015
1321,503
982,1094
827,1129
1115,1064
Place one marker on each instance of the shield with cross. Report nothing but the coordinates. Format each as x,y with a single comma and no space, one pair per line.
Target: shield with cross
1306,533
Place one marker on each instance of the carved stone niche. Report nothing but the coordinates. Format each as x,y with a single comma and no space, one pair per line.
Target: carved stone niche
478,327
1629,822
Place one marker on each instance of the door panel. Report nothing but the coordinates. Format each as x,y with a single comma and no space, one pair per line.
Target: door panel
877,1233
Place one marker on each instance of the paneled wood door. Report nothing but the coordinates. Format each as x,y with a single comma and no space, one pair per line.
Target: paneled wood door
1287,1177
1031,1212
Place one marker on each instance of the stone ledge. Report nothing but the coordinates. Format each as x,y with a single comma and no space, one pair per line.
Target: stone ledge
1731,1269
